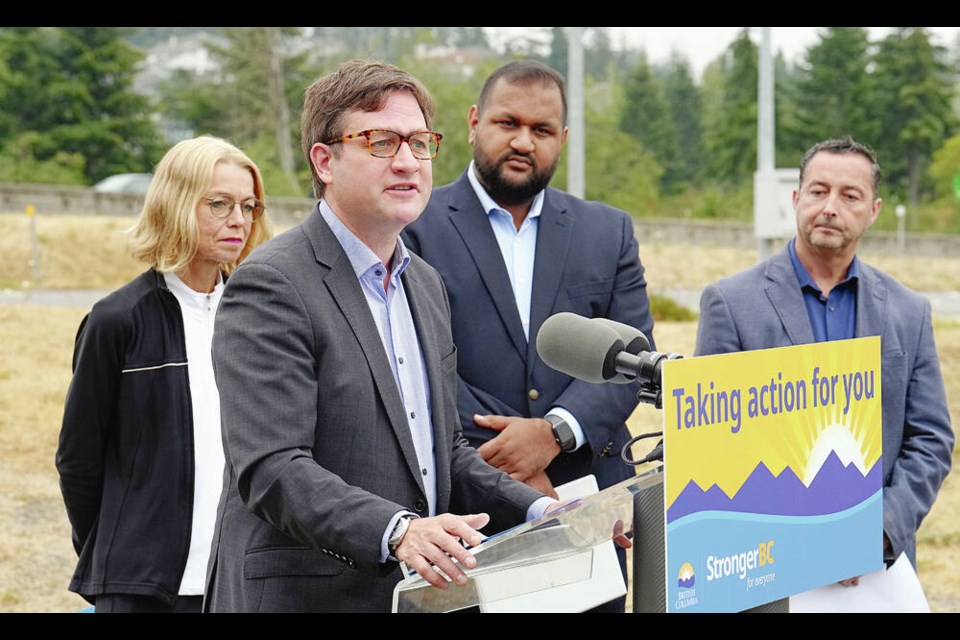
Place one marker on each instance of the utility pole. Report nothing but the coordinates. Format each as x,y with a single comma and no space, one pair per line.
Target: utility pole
773,217
576,163
765,130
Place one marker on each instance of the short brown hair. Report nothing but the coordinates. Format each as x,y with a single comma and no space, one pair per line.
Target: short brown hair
357,85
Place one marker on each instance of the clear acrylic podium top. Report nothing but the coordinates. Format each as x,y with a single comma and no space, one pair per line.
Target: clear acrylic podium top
556,549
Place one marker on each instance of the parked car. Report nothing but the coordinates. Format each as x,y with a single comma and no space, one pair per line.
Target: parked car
124,183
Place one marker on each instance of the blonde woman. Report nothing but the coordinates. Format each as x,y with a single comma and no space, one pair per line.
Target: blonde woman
140,456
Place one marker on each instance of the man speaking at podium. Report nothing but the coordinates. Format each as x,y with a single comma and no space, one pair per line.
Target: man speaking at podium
512,252
816,290
336,368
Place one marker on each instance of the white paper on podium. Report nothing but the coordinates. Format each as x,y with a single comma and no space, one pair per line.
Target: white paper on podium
605,584
893,590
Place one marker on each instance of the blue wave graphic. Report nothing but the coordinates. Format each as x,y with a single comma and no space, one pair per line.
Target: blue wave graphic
800,553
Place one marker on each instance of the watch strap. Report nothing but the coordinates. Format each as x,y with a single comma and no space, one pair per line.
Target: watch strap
562,433
399,530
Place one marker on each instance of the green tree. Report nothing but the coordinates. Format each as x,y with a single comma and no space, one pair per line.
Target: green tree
645,116
945,170
912,104
600,59
832,93
254,95
195,102
73,85
684,106
146,37
620,171
730,116
559,56
463,37
253,101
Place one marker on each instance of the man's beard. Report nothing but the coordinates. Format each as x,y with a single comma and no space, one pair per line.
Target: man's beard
505,192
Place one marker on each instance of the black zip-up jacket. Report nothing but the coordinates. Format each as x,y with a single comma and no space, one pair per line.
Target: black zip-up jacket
125,456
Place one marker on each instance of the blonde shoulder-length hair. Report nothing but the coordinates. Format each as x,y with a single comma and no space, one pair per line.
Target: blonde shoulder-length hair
166,235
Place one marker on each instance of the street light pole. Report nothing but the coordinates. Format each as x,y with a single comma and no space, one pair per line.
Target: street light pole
766,161
576,162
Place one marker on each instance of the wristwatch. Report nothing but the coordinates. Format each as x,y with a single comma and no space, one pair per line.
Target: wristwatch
399,530
562,433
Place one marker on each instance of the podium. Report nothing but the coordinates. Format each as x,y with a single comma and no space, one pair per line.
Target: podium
557,550
770,487
536,558
649,554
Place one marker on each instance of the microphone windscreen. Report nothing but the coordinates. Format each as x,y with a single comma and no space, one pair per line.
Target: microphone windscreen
574,345
633,339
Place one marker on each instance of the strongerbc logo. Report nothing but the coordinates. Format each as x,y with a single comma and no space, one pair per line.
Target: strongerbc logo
686,579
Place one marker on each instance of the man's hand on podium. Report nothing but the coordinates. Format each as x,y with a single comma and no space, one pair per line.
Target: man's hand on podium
434,543
620,538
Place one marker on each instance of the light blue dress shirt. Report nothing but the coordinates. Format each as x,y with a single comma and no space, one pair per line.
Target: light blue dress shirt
519,249
391,313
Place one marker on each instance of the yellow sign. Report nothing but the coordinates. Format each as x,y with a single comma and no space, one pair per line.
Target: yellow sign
787,407
773,472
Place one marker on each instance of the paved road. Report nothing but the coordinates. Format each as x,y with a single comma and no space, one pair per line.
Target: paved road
945,304
51,297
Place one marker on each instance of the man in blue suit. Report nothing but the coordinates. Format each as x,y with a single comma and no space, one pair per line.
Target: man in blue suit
512,252
815,290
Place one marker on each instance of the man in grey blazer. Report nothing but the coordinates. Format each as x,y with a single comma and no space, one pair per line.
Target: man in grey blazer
816,289
337,374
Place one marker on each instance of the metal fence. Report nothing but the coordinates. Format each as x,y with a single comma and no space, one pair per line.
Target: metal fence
47,199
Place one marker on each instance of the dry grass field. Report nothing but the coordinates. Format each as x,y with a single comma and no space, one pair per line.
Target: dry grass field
36,342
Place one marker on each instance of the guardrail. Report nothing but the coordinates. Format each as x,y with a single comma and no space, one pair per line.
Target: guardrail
740,235
51,199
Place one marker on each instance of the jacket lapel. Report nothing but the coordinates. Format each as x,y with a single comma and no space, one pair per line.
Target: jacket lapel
471,222
553,243
787,300
871,303
341,281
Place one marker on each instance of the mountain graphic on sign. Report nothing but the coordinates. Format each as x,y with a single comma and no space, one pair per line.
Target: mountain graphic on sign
836,487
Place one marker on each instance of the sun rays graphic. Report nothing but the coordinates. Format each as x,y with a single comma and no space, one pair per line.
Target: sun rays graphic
796,406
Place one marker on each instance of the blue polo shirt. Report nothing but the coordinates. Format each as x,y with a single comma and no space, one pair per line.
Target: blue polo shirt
833,317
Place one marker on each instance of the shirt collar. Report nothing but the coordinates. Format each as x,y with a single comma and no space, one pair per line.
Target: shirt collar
488,203
362,258
804,277
190,296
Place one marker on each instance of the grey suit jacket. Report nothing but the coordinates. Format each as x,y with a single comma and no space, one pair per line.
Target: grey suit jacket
763,308
587,262
319,453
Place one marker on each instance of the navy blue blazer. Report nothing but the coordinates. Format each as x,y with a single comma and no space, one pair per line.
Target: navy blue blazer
587,262
762,308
